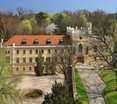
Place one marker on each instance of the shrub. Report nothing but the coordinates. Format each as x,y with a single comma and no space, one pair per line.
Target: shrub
59,95
34,93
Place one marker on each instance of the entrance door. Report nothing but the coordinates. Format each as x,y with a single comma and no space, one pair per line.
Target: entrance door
80,59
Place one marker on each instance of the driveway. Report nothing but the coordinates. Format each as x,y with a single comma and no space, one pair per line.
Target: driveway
93,84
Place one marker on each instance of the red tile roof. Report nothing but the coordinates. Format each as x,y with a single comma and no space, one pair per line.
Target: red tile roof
29,39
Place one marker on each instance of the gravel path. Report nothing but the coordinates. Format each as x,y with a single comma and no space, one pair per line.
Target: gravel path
93,84
44,83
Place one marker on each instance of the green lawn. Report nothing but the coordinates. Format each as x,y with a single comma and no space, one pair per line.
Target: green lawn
109,78
81,92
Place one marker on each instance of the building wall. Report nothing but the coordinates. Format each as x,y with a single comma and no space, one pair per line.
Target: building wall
23,58
82,36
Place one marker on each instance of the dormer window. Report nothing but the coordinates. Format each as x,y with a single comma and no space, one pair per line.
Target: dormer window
48,41
23,42
61,41
35,42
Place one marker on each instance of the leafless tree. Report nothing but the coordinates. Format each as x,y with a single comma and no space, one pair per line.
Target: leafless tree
8,25
102,47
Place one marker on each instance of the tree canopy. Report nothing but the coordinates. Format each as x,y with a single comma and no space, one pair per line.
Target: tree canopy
28,22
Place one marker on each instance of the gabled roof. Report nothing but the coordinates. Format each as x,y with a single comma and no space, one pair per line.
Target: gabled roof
29,39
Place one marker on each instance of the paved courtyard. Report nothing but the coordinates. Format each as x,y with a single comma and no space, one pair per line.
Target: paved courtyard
44,83
93,84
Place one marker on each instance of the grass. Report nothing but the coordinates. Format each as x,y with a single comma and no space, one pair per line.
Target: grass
109,78
111,97
81,91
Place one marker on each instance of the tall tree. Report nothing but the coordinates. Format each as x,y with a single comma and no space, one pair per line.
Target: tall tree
105,39
41,18
8,25
61,20
50,66
42,21
8,92
39,69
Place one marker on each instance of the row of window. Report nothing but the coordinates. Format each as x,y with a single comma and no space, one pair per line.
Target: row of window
18,60
37,51
31,51
30,59
7,51
36,42
80,49
24,68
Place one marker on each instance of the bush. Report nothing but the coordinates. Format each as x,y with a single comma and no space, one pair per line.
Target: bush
34,93
59,95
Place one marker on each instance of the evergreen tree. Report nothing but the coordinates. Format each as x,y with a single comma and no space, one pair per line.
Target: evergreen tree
39,69
59,96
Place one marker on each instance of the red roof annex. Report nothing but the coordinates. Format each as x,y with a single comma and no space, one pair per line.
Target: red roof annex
29,39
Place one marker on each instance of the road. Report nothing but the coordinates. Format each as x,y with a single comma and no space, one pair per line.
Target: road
93,84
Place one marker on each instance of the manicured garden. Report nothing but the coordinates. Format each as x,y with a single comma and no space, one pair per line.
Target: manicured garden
81,92
109,78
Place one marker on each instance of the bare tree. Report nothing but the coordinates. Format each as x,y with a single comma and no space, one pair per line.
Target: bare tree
8,25
103,48
104,41
20,11
65,62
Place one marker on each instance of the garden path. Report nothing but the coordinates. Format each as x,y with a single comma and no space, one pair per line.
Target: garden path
93,84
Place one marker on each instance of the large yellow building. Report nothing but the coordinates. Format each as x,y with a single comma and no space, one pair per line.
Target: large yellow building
23,50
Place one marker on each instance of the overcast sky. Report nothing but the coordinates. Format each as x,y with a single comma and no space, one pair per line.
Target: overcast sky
59,5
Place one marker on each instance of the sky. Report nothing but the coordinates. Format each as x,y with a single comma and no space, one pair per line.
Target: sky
59,5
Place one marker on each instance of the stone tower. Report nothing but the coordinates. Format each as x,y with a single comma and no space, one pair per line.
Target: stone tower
81,43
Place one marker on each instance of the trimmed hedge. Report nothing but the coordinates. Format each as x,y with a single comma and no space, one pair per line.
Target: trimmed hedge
110,94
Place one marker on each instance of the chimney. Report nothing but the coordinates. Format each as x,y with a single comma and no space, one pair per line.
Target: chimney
13,44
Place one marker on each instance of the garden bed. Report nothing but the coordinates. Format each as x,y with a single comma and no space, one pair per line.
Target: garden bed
80,89
109,78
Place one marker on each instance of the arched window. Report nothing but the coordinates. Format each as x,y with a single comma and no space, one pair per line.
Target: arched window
87,50
74,50
17,68
24,68
30,68
30,59
80,48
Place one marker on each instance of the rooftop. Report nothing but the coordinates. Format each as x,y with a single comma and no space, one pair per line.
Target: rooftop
29,40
